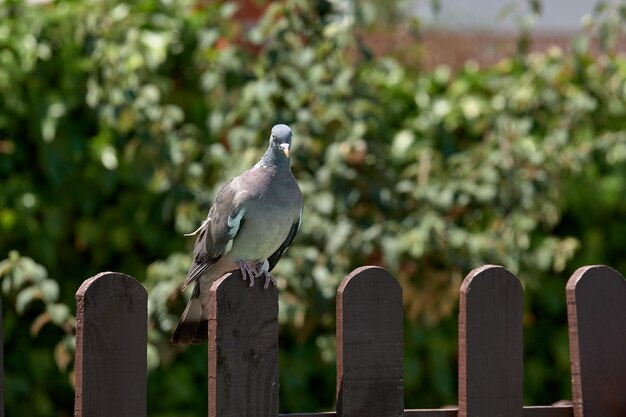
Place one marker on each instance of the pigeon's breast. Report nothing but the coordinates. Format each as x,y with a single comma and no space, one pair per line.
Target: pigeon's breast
262,235
272,201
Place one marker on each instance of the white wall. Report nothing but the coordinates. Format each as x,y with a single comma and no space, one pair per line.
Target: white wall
557,15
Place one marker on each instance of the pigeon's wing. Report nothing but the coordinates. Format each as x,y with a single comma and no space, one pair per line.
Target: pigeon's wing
275,257
216,235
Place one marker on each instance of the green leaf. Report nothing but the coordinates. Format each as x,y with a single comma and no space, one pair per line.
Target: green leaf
59,313
25,297
49,290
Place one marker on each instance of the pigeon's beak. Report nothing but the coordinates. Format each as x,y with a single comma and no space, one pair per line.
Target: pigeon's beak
285,148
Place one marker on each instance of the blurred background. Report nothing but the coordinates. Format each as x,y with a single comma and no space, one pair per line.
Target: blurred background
430,137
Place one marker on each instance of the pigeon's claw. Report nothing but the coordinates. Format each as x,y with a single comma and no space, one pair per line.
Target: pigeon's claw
248,272
268,280
253,271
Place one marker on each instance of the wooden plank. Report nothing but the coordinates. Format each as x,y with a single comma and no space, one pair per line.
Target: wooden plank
407,413
529,411
596,307
326,414
434,412
243,349
111,337
490,344
369,345
549,411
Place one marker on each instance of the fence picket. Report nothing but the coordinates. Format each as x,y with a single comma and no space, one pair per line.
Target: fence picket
111,337
596,307
243,349
490,344
369,345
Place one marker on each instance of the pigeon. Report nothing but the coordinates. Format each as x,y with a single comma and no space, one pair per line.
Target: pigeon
252,222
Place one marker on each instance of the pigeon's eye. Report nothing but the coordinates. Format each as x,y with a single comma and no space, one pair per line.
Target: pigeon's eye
273,136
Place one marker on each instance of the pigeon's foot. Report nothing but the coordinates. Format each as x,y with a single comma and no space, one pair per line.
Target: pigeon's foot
253,271
248,272
268,280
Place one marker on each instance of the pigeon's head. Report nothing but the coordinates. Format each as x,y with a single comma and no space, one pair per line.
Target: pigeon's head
281,138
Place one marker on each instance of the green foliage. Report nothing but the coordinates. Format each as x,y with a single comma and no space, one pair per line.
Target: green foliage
119,122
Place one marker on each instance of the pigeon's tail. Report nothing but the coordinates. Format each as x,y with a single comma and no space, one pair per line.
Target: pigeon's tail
193,326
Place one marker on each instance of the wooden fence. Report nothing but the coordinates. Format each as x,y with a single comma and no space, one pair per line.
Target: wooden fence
243,347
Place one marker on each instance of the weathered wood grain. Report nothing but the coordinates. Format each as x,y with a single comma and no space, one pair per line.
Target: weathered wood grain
111,337
369,345
490,344
243,349
596,307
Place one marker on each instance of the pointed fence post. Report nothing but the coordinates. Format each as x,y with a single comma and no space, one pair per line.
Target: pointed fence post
369,345
243,349
596,308
111,337
490,344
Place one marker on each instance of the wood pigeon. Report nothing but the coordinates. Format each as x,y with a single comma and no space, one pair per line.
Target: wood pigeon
252,222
